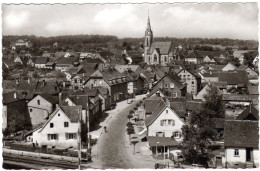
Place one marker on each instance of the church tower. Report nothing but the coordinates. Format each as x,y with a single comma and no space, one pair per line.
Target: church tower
148,38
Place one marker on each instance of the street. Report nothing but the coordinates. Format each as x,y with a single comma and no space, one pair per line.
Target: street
113,146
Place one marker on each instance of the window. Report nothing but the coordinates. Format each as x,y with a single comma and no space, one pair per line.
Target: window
80,80
66,124
158,94
236,152
192,82
31,110
52,136
166,111
75,80
164,122
154,58
70,136
95,82
169,122
165,58
51,125
160,85
176,135
39,102
174,94
100,82
166,85
171,85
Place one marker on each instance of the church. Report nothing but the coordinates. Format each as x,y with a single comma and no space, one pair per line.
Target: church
156,53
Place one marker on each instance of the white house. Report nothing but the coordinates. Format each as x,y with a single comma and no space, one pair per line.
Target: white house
40,107
241,143
164,128
61,130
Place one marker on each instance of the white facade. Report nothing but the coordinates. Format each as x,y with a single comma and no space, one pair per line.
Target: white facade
40,65
229,67
55,134
162,127
39,109
237,156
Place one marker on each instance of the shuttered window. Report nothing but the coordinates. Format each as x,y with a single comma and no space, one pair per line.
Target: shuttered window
53,136
70,136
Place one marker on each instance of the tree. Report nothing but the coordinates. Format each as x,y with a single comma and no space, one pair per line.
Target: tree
199,131
129,117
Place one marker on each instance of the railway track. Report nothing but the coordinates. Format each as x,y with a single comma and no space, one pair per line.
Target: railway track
40,161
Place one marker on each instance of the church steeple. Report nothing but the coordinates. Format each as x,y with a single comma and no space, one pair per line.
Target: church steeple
148,34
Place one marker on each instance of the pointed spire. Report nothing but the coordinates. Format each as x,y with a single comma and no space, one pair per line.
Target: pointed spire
148,23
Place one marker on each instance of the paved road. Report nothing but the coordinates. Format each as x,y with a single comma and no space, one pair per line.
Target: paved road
113,146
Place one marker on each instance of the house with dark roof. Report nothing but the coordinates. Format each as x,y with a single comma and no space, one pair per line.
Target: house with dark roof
192,80
237,79
135,82
164,125
111,79
60,130
254,94
15,112
252,74
194,57
63,64
40,62
241,142
250,113
41,107
170,86
50,87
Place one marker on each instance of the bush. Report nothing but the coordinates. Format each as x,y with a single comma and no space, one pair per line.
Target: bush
130,131
131,112
129,117
129,124
135,108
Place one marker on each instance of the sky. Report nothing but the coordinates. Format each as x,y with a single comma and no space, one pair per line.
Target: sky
186,20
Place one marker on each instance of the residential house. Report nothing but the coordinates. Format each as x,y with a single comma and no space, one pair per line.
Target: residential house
170,86
40,62
203,92
112,79
193,57
164,130
191,79
64,63
41,107
240,55
192,106
237,79
135,81
154,72
15,112
252,74
241,142
229,67
61,130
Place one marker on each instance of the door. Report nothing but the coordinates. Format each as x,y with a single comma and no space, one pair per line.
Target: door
249,152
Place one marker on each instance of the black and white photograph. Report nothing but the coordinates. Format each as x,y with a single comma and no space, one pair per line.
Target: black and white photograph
130,85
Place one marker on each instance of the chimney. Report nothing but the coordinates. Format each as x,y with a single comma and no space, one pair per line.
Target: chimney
29,80
17,80
168,103
43,83
60,98
15,95
64,84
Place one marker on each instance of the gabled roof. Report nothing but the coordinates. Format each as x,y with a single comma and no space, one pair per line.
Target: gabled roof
72,112
87,91
241,134
250,110
52,99
96,60
151,104
81,100
164,47
234,78
216,67
193,105
65,61
175,79
179,108
41,60
157,111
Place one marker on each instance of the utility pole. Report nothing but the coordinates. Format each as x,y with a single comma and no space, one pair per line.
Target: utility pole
88,126
79,136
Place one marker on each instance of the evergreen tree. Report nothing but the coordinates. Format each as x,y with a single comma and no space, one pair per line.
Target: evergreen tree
199,132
